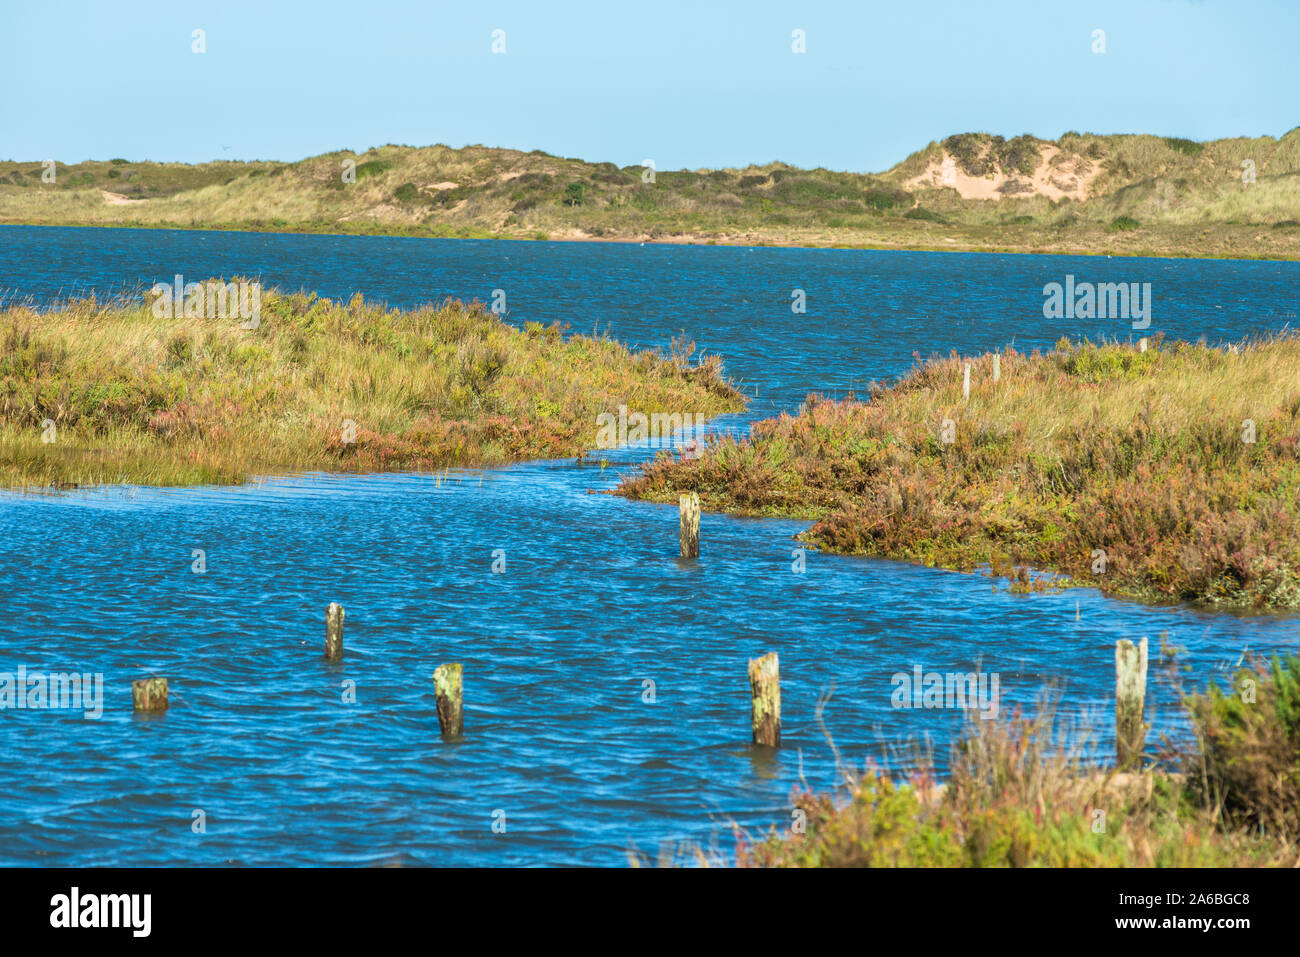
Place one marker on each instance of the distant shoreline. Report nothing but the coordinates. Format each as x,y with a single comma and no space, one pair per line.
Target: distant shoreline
1081,194
1026,249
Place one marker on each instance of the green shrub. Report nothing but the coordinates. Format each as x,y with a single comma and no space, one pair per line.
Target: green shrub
805,191
1124,223
574,193
373,168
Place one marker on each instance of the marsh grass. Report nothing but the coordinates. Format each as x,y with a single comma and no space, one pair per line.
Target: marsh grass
1023,791
1083,450
139,399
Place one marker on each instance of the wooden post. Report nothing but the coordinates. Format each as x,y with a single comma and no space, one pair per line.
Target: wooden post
334,632
997,367
965,383
149,694
765,699
688,507
447,687
1130,695
1142,344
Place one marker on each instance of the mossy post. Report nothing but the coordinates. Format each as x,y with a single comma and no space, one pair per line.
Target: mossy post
447,690
765,699
1130,696
334,632
149,694
688,506
997,367
965,383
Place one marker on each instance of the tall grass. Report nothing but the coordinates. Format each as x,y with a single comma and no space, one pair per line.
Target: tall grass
1127,470
320,384
1023,793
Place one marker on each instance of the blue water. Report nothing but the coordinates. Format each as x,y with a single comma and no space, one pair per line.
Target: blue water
561,745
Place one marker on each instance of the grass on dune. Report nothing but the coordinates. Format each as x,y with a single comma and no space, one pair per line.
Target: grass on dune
129,397
1132,471
1181,197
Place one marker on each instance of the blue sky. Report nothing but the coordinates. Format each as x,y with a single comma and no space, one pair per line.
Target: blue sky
694,84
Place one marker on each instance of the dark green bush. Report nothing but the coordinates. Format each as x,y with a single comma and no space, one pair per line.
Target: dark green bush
1186,147
886,198
924,214
1018,155
574,193
406,193
971,152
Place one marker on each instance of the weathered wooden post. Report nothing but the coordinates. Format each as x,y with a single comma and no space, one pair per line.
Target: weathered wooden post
688,507
149,694
765,699
447,687
1130,695
334,632
997,367
965,383
1142,344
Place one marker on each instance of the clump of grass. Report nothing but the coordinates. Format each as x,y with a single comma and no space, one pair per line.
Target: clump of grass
129,397
1124,223
1179,467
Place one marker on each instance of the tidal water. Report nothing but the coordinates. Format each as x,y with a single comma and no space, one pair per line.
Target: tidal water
605,680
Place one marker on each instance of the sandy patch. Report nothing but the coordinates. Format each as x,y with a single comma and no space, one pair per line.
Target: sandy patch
439,186
117,199
1056,176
